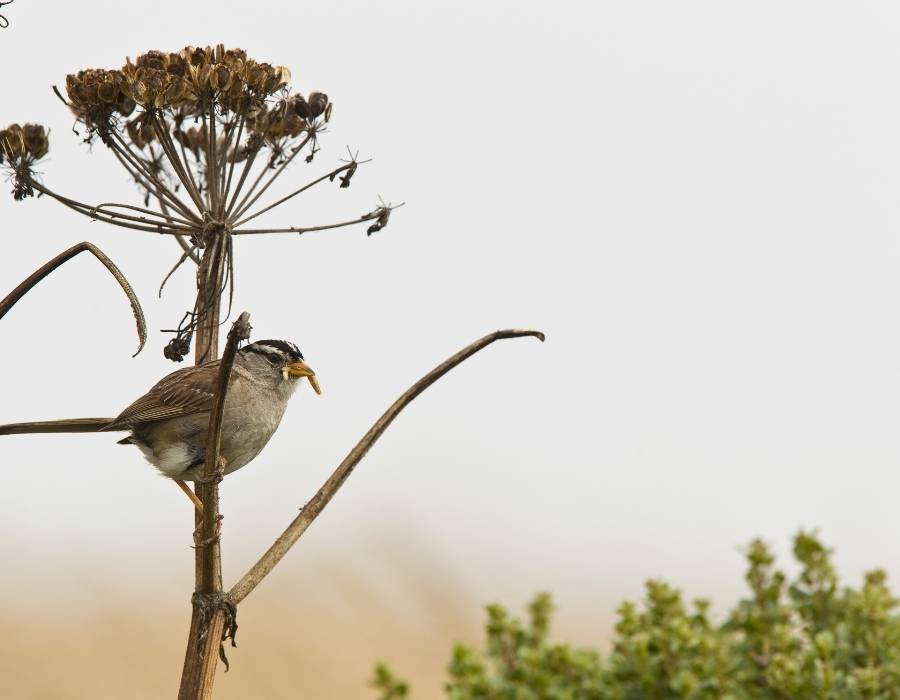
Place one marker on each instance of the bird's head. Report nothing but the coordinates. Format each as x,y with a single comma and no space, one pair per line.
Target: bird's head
281,357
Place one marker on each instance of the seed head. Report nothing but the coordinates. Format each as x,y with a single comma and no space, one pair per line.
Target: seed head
20,148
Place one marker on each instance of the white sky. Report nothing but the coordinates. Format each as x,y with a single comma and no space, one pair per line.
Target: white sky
697,201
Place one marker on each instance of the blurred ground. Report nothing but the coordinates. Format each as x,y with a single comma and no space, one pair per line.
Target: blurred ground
312,634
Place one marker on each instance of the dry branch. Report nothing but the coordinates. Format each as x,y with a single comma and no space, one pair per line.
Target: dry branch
314,507
69,425
66,255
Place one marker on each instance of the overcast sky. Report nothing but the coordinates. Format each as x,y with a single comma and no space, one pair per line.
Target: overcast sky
698,202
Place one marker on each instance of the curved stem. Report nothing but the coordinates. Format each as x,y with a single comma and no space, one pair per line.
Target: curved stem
10,300
88,211
188,251
314,507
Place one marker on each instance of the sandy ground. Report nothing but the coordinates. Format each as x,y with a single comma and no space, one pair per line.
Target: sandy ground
287,649
313,634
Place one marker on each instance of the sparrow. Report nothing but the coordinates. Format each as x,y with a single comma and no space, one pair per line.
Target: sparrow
170,422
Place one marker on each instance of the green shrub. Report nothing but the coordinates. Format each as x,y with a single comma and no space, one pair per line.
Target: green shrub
805,639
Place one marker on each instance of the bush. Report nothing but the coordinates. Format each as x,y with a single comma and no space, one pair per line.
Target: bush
804,639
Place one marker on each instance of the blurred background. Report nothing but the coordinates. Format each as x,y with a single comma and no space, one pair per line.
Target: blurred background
698,202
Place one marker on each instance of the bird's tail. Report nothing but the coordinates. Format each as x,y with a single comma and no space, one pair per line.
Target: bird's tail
65,425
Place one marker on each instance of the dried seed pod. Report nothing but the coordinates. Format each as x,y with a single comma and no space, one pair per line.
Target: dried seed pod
35,140
256,76
201,77
282,76
300,106
196,55
176,65
155,60
234,56
177,91
92,92
220,78
13,140
348,175
108,92
318,101
276,78
177,348
384,214
293,125
140,131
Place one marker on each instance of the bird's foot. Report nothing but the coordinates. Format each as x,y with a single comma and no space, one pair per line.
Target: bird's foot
217,475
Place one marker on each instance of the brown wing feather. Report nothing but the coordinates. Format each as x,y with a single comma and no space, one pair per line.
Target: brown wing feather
185,391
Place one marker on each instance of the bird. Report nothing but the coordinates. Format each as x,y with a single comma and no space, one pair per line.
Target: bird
169,423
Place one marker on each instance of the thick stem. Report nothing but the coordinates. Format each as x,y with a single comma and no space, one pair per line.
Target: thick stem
207,619
209,286
202,656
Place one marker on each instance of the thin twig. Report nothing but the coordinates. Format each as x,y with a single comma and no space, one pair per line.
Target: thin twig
242,208
177,166
114,219
189,251
326,176
307,229
314,507
234,153
190,170
122,149
249,159
184,256
212,160
162,215
50,266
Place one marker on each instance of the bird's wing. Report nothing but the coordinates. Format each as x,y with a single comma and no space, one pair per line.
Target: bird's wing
185,391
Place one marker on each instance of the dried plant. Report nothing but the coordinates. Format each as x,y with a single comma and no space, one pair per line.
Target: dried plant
204,133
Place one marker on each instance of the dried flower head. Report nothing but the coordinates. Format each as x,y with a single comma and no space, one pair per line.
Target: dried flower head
96,98
20,148
204,132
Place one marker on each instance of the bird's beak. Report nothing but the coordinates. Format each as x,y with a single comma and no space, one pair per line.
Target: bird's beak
301,369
